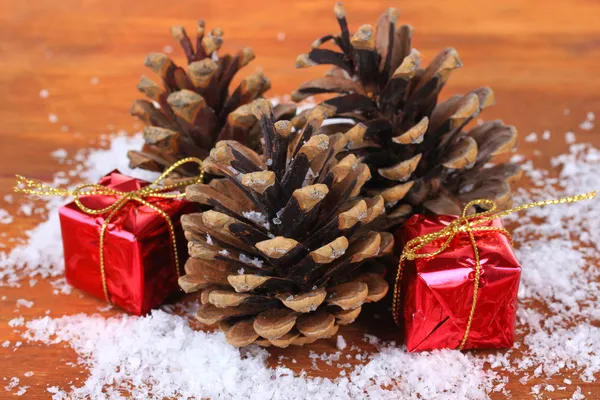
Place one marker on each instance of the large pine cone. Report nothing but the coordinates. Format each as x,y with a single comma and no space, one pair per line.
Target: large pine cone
421,157
284,255
193,109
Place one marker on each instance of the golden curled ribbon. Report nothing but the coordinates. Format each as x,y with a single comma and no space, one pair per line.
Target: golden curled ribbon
154,189
465,224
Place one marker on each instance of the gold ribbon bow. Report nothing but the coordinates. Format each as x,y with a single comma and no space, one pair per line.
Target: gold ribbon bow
155,190
465,224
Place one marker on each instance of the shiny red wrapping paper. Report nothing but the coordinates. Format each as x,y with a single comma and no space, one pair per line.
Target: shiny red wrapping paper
438,291
138,257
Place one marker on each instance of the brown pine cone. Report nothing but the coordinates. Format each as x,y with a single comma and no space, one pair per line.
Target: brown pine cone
284,253
422,155
193,109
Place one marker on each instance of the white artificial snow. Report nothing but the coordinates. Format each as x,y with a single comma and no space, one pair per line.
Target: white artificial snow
26,209
532,137
257,218
52,118
577,395
24,303
588,124
160,356
59,153
340,343
323,145
18,321
44,93
94,80
257,262
570,137
317,195
22,390
546,135
14,382
309,177
5,217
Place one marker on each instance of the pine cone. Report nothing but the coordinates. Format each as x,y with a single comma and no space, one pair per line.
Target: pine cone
420,155
284,254
194,109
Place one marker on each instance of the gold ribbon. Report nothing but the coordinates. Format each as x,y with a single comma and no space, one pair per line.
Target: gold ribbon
155,189
465,224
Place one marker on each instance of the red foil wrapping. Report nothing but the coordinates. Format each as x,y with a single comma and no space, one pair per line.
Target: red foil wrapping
438,291
138,256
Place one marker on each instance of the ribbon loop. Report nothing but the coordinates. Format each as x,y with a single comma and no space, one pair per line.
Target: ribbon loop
468,224
156,189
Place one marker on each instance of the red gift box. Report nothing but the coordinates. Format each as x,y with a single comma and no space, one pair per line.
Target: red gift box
139,264
438,291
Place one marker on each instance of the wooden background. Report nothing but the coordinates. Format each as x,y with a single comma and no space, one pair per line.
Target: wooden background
540,57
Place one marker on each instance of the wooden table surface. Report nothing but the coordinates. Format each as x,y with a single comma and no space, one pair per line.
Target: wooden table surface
540,57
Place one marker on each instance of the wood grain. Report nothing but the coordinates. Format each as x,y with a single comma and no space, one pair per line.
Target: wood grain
540,57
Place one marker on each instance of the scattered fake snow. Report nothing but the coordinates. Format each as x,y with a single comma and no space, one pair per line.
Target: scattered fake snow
14,381
5,217
546,135
340,343
532,137
24,303
59,154
588,124
161,356
258,218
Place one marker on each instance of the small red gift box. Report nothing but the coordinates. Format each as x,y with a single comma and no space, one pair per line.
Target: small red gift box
438,292
139,264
